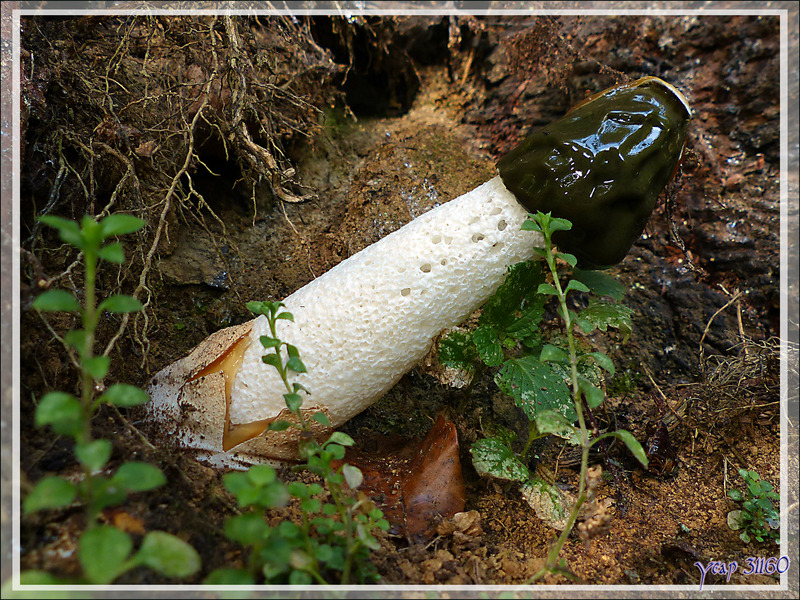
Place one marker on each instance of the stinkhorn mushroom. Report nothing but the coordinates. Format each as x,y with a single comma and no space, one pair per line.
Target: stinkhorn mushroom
367,321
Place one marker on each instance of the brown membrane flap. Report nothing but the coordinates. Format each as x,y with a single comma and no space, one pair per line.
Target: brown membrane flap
215,347
283,445
228,364
214,364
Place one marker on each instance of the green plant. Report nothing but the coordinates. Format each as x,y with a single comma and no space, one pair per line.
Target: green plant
757,518
335,534
104,552
555,378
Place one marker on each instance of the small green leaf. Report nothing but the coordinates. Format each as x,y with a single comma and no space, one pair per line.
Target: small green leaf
62,411
516,308
547,289
575,285
34,577
92,233
553,422
764,503
124,395
94,455
272,359
261,475
139,477
603,314
120,225
736,520
293,402
269,342
299,387
600,283
295,364
353,476
68,231
585,325
336,452
279,426
289,530
50,492
602,360
105,492
96,366
745,537
366,537
341,438
570,259
298,489
236,481
311,506
551,504
321,418
631,442
457,350
113,253
489,349
530,225
77,339
324,553
120,303
285,315
292,350
266,307
593,394
491,457
273,496
299,576
535,387
56,301
229,577
102,552
553,354
558,224
168,555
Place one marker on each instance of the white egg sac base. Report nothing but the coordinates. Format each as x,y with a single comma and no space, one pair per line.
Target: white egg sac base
366,322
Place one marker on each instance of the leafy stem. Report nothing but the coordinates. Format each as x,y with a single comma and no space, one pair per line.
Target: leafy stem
333,536
547,227
104,552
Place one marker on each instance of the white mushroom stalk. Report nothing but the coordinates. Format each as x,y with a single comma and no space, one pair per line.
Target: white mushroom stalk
366,322
359,327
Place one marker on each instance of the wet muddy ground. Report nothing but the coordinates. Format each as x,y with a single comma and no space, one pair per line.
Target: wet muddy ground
411,112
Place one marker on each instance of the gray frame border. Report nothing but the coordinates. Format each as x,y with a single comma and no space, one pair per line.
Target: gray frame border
9,232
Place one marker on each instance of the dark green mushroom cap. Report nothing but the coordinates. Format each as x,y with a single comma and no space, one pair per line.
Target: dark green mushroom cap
602,166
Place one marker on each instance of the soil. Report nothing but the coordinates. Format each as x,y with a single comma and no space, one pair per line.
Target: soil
370,122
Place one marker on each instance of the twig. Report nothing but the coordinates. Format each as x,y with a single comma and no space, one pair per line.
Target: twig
708,325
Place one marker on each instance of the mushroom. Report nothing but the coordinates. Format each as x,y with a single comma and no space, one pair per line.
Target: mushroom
366,322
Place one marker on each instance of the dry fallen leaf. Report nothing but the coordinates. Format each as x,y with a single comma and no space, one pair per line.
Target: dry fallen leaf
417,484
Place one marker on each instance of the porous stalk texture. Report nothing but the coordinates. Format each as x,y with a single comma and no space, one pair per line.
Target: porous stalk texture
366,322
